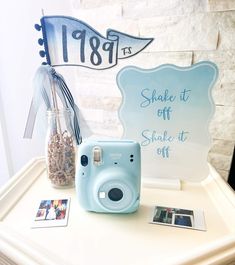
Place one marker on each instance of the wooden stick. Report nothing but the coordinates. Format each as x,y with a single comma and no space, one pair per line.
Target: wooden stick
56,109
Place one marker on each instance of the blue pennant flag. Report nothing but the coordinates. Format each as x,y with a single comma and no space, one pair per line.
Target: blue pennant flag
69,41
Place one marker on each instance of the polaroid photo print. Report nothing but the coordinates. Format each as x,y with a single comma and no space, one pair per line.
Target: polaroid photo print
193,219
50,213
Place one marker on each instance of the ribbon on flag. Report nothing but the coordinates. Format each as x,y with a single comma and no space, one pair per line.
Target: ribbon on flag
45,78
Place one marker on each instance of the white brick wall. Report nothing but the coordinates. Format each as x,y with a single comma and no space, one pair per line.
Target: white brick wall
185,32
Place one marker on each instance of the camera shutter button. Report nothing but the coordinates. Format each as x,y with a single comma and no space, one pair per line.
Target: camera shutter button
97,155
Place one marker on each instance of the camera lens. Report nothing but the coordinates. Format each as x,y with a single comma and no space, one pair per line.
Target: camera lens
115,194
84,160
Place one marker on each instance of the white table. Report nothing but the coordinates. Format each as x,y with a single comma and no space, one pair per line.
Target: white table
126,239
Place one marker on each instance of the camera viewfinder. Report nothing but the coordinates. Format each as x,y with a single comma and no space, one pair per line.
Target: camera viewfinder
84,160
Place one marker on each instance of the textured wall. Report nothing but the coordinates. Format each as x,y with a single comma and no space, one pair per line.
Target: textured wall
185,32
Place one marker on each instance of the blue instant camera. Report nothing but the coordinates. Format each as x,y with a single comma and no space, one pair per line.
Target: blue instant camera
108,176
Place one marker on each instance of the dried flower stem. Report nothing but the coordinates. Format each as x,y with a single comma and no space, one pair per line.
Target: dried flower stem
56,108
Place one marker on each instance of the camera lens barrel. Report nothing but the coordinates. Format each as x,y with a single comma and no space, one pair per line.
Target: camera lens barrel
115,194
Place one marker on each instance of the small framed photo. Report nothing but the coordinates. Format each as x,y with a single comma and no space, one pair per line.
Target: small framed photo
178,217
52,212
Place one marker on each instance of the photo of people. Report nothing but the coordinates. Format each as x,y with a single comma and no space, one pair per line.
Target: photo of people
173,216
52,212
184,218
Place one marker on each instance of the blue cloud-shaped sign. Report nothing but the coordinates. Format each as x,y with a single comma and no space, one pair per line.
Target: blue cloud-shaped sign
168,109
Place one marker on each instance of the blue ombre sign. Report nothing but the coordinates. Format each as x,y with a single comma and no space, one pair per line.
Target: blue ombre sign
167,110
69,41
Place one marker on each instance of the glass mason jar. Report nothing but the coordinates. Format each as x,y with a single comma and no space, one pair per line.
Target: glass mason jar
60,149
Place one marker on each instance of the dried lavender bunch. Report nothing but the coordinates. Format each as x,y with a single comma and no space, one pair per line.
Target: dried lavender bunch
61,159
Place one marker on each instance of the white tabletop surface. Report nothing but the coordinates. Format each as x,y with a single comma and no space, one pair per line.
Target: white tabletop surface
92,238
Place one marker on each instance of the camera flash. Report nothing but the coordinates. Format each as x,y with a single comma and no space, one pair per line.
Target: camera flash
97,153
102,195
